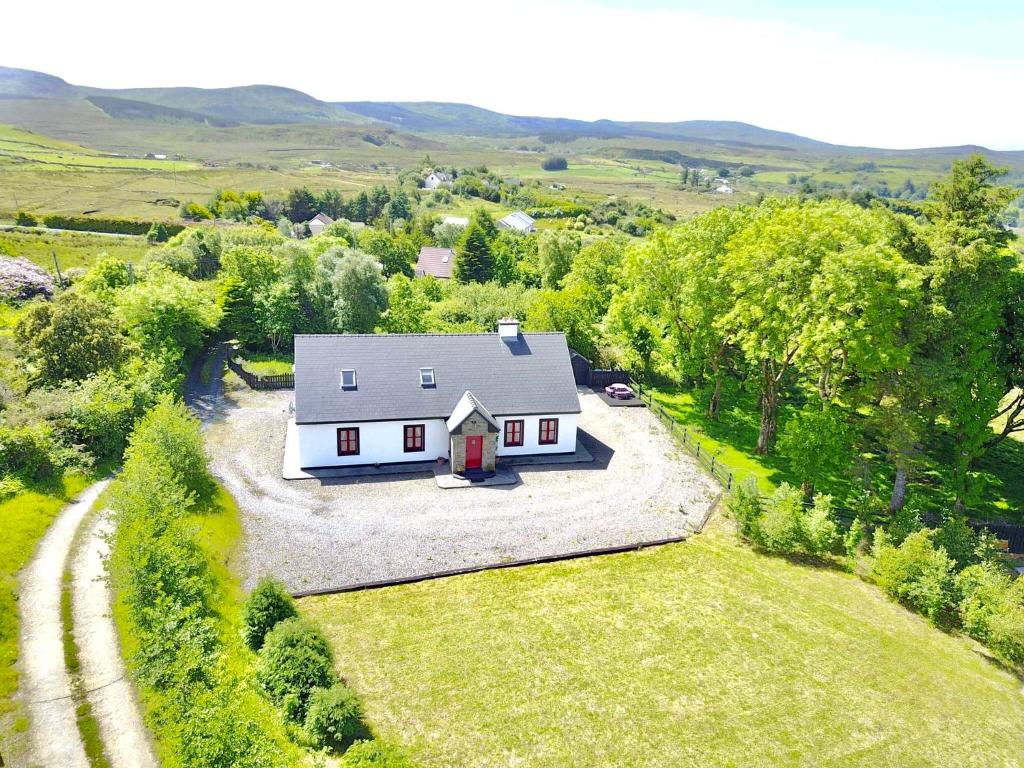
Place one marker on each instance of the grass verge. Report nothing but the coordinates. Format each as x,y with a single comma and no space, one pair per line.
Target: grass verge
24,519
88,728
703,653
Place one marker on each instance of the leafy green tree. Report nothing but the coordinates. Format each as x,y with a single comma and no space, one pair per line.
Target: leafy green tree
595,271
555,252
396,254
359,292
70,338
278,313
817,442
564,311
972,279
25,219
170,434
168,315
407,306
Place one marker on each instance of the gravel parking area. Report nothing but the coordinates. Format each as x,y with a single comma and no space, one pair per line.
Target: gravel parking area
317,534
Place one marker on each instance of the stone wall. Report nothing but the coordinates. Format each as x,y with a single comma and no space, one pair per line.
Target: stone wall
474,425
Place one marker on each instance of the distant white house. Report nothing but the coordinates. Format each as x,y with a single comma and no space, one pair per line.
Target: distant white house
456,221
518,221
436,179
155,156
724,188
319,223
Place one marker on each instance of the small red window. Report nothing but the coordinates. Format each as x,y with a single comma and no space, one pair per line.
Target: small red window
413,438
513,433
548,431
348,441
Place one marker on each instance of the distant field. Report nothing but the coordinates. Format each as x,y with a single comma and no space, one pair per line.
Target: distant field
73,249
702,653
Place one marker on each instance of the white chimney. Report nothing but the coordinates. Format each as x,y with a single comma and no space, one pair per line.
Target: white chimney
508,329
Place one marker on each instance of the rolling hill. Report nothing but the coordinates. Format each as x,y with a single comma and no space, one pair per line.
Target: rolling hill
275,105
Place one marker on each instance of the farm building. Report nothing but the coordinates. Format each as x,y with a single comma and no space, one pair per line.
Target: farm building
403,398
518,221
436,262
319,223
436,179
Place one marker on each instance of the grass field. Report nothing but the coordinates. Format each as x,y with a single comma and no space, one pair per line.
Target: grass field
733,436
265,364
73,249
696,654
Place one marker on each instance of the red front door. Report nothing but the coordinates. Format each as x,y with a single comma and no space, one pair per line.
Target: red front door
474,451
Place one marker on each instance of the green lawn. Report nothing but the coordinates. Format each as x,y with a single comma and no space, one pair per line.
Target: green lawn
267,364
24,519
702,653
733,436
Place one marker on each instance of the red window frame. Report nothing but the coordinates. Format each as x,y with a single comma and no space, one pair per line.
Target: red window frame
348,441
548,432
513,433
413,435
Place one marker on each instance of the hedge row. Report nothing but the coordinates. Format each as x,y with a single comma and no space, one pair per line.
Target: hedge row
187,664
110,225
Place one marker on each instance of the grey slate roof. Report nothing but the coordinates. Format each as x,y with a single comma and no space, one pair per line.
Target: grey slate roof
466,407
530,375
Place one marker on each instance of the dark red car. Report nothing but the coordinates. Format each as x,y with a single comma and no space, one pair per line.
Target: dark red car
619,392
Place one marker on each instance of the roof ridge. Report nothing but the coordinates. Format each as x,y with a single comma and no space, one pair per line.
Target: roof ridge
420,335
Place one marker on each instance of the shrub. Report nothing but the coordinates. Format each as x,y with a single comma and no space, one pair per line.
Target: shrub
25,219
170,434
70,338
744,506
195,212
264,608
778,528
105,277
374,754
294,661
20,279
992,609
26,451
783,524
916,572
555,164
334,717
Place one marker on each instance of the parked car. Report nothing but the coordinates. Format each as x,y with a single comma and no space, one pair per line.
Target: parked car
619,392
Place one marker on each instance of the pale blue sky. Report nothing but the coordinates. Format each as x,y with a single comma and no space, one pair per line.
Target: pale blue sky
872,73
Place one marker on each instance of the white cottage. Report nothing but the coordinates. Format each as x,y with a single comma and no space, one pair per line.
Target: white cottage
436,179
318,224
469,398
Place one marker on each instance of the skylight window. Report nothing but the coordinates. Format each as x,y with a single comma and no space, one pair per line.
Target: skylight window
426,377
348,378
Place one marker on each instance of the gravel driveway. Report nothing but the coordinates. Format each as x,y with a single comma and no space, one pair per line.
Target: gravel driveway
317,534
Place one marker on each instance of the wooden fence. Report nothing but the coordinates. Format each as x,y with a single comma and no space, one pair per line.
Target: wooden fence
278,381
602,377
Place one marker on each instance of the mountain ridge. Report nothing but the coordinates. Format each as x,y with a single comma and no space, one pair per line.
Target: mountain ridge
263,104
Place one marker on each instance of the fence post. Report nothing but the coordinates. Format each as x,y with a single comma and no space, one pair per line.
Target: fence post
728,482
712,464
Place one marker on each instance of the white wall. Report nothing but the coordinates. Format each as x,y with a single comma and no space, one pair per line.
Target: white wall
531,435
380,442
